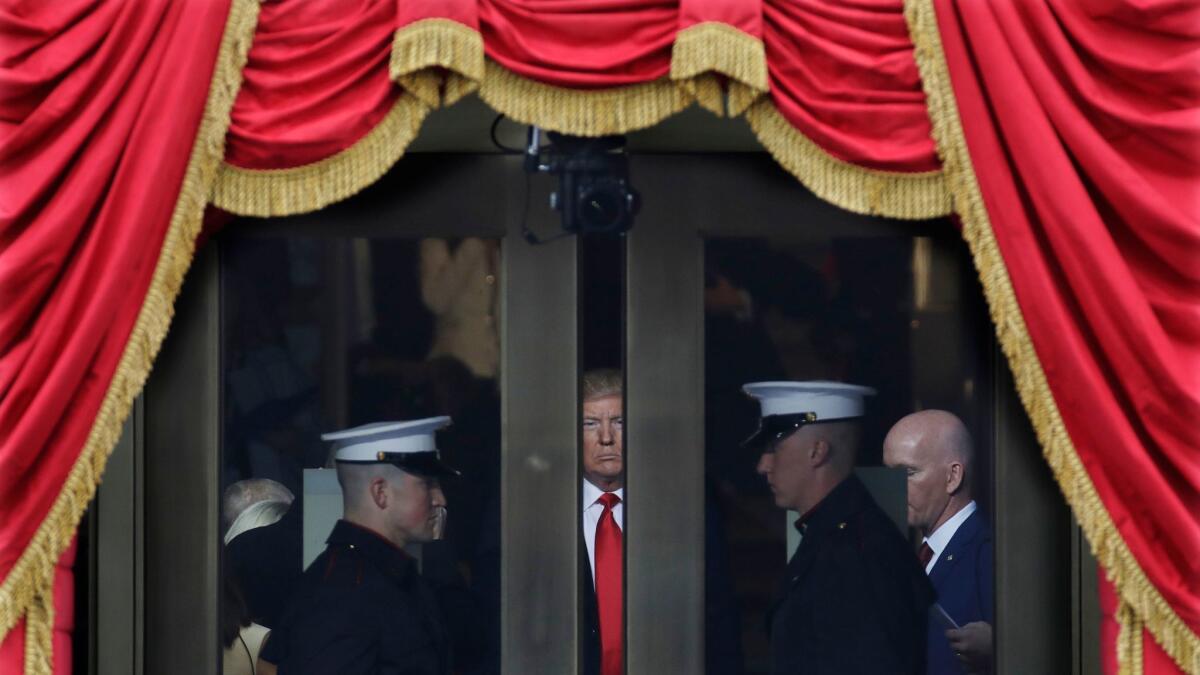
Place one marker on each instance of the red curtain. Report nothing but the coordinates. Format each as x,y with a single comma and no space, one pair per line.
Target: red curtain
100,103
843,74
588,44
1081,122
1154,659
315,82
12,648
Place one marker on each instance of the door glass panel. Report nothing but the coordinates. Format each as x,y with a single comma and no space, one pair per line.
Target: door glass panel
883,308
602,444
323,334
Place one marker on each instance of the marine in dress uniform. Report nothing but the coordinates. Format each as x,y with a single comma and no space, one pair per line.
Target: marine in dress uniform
362,606
854,599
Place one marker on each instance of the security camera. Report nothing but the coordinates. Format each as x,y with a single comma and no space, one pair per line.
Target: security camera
594,194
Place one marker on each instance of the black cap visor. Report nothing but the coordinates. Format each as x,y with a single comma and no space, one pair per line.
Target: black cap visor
774,428
423,464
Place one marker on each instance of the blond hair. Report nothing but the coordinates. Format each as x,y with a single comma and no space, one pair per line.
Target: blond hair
602,382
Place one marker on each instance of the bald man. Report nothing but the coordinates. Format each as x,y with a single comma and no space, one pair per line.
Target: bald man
935,450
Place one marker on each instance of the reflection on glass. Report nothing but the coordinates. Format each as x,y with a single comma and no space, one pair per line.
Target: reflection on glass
326,334
881,310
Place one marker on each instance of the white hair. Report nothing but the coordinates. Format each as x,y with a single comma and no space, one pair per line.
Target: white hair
241,495
258,514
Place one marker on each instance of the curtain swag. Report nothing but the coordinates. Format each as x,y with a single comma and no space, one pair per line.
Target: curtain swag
438,61
285,192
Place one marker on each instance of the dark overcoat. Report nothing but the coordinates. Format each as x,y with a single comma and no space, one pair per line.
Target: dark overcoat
854,597
361,608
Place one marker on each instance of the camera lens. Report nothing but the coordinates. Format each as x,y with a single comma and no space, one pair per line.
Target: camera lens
602,206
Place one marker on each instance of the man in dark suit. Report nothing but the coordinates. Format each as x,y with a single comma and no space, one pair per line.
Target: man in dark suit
934,448
362,606
853,601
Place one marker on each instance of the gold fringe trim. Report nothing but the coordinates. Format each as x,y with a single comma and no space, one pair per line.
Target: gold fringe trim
286,192
423,47
28,588
1133,587
581,112
878,193
705,49
39,634
1130,645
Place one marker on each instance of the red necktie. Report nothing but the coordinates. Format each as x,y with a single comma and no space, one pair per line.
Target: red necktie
925,554
609,595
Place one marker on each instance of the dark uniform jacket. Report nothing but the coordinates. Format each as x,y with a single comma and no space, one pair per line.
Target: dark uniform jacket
962,577
361,608
854,597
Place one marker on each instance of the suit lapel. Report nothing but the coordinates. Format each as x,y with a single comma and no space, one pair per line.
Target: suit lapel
953,552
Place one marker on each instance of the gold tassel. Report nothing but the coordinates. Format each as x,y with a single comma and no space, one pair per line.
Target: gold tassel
581,112
705,49
1130,645
39,634
1144,601
883,193
422,47
286,192
29,585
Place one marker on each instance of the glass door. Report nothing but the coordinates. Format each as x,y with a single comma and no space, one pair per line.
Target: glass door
417,298
737,274
424,296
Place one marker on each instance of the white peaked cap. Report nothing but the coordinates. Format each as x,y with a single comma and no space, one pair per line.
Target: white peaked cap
825,400
411,445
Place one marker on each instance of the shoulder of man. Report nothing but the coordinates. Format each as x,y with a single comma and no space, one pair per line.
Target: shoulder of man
887,559
345,573
337,602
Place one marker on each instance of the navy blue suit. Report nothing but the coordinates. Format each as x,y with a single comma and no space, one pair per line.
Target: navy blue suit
962,578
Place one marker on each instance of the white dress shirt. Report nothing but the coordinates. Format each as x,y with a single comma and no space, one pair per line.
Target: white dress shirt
942,536
592,509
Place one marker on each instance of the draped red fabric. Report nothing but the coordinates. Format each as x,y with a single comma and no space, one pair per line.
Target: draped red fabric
744,15
315,82
12,648
100,103
1087,160
463,11
584,44
843,73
